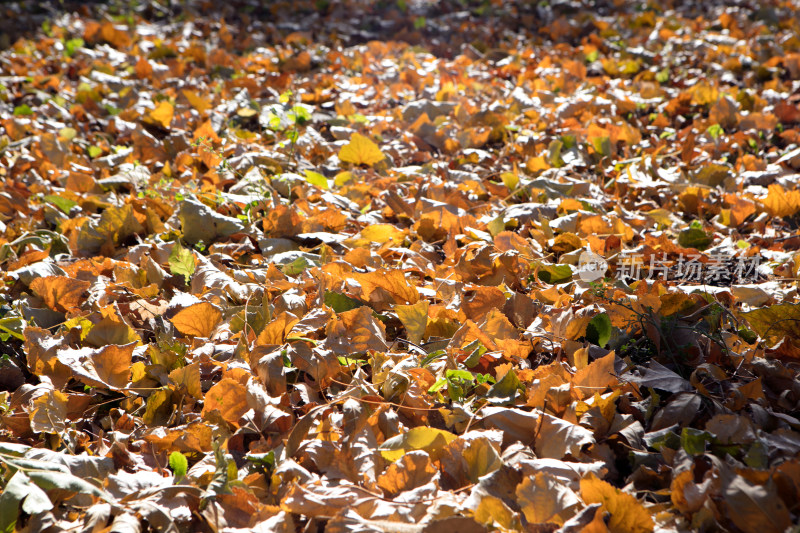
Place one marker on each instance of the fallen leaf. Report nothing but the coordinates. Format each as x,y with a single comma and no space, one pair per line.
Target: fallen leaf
361,151
198,320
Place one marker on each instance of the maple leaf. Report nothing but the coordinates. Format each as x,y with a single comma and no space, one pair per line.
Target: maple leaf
361,151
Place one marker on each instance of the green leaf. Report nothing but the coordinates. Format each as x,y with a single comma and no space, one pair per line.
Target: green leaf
464,375
695,238
265,460
440,383
693,441
505,390
20,489
554,153
340,302
23,110
68,482
65,204
716,131
554,274
496,225
72,45
94,151
13,326
598,330
775,322
178,464
296,267
665,438
181,261
315,178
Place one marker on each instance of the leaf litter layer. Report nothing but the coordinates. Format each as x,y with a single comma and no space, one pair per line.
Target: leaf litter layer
401,266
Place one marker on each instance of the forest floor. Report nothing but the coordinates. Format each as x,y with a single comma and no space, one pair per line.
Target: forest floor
400,266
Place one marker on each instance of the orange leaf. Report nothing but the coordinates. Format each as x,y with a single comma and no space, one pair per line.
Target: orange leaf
361,151
412,470
60,293
393,282
627,514
198,320
229,397
107,367
781,203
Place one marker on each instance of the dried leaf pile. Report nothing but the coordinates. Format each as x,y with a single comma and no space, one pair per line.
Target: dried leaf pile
320,266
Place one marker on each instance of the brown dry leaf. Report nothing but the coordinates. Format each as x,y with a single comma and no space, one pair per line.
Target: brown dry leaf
557,438
191,438
627,514
61,293
42,350
229,397
754,508
198,320
543,498
356,331
107,367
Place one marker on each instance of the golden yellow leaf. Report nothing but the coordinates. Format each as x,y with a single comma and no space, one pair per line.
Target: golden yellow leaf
189,377
383,233
361,151
627,514
543,497
414,318
198,320
275,332
429,439
111,331
60,293
393,282
197,101
229,397
775,322
781,203
162,114
595,377
50,413
481,458
412,470
493,511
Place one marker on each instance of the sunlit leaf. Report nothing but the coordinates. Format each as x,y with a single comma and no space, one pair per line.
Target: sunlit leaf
361,151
